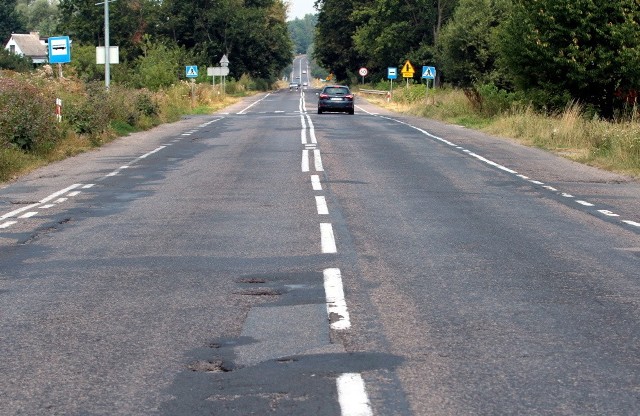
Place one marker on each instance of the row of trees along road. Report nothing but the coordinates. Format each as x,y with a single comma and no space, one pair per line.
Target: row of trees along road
168,35
546,52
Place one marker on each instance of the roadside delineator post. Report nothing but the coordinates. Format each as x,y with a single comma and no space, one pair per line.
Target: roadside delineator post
58,110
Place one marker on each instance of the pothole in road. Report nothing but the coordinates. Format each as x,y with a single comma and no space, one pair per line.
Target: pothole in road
213,366
252,280
259,292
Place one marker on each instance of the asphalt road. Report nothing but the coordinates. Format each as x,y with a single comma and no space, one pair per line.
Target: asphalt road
270,260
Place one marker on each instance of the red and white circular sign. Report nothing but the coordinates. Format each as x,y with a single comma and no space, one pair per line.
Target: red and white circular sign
363,72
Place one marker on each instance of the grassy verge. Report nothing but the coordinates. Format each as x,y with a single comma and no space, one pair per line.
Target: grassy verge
91,117
614,146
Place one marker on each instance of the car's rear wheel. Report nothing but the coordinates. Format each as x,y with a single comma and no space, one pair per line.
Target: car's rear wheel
351,111
319,111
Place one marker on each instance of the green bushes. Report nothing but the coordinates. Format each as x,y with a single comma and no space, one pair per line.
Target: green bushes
31,136
27,116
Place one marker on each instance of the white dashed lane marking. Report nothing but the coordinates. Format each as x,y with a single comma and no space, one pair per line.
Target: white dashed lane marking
511,171
315,183
321,205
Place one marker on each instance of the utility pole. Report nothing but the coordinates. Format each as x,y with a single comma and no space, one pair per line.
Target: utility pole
107,58
107,69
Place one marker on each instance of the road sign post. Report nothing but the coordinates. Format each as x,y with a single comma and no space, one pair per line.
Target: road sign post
429,72
408,71
224,63
192,73
217,71
363,73
59,51
392,73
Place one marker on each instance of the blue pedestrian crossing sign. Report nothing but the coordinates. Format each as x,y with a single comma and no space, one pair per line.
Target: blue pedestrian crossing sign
192,71
429,72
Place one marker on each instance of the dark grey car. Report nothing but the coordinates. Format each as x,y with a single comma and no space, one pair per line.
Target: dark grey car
337,98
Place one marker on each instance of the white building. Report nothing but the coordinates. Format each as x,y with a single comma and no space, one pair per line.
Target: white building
31,46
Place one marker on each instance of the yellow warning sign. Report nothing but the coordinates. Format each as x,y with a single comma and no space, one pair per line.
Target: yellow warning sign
407,70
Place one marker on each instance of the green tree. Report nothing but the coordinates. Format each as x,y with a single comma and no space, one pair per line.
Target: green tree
378,33
159,66
302,32
14,62
129,21
467,53
39,15
584,50
334,47
9,20
392,31
253,34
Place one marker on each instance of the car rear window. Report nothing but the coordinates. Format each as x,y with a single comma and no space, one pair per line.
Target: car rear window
336,90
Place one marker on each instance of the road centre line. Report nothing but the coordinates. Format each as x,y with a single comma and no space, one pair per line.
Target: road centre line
315,183
321,205
327,239
28,214
8,224
303,131
312,130
317,160
352,395
305,160
336,304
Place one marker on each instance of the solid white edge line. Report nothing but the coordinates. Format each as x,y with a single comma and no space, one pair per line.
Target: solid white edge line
352,395
305,160
336,303
327,240
248,107
317,160
321,205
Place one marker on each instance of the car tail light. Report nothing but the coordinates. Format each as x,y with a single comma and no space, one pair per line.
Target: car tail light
349,96
324,96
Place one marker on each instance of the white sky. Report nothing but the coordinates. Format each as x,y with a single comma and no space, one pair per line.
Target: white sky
299,8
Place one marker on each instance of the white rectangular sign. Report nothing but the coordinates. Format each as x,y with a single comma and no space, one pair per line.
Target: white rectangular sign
218,71
114,55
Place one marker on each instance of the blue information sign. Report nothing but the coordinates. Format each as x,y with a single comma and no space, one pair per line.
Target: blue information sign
392,73
59,50
192,71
